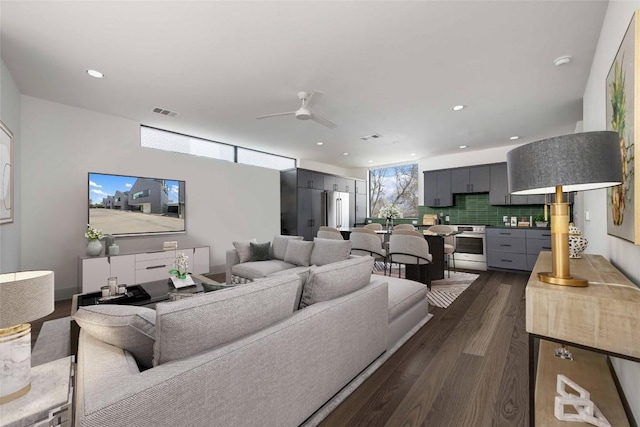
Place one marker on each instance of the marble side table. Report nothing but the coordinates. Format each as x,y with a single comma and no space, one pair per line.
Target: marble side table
50,400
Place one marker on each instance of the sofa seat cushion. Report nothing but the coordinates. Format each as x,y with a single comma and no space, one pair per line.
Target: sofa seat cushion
303,272
127,327
193,325
259,269
336,279
403,294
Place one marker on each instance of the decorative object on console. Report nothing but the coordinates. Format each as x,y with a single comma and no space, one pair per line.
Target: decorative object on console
180,276
587,411
622,108
24,297
577,242
94,247
169,246
575,162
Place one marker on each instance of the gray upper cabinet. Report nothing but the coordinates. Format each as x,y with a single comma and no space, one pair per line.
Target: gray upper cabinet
361,187
437,188
310,179
475,179
499,192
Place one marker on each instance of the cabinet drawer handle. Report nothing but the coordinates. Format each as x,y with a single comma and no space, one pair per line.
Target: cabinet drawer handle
155,266
546,235
506,260
546,247
505,234
504,245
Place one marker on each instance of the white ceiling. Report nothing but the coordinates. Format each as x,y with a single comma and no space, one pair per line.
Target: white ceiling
388,67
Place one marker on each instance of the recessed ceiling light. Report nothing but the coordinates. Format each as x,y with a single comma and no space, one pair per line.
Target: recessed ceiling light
457,107
370,161
514,137
412,154
345,154
463,146
319,143
562,60
95,73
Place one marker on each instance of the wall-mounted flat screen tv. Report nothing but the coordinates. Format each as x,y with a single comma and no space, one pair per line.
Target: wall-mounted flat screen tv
131,205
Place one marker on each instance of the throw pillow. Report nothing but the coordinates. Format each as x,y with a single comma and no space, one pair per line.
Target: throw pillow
194,325
127,327
279,246
260,251
337,279
244,249
298,252
326,251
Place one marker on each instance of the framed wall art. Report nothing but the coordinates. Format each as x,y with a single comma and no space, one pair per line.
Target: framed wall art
623,202
6,174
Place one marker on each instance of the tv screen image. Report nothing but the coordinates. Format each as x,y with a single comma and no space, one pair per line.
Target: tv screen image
130,205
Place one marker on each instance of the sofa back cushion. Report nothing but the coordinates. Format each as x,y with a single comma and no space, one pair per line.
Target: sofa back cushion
127,327
337,279
193,325
243,247
279,246
326,251
299,253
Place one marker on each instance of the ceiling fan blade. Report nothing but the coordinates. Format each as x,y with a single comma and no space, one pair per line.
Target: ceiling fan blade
324,122
318,94
266,116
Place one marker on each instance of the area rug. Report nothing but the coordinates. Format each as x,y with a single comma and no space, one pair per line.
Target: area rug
53,341
445,291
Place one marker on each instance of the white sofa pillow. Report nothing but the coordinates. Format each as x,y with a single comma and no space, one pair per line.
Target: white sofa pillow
127,327
337,279
279,246
243,247
326,251
298,252
194,325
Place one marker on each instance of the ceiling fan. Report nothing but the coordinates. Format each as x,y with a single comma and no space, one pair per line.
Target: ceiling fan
304,113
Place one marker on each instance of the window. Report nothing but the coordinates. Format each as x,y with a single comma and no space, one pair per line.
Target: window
140,194
397,185
178,143
266,160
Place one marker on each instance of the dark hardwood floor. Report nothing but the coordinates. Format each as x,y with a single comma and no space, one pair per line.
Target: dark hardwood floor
466,367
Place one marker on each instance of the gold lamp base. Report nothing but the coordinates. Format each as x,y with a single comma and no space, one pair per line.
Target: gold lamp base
564,281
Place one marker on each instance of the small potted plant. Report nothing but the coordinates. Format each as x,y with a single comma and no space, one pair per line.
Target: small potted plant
540,221
93,235
179,275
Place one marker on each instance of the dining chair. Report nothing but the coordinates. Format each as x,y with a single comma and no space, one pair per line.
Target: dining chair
373,226
329,233
404,227
449,244
366,242
410,250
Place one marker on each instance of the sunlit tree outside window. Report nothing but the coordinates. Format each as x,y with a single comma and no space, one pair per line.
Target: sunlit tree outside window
394,184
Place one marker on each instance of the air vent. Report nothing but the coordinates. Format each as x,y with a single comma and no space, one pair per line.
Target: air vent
165,112
371,137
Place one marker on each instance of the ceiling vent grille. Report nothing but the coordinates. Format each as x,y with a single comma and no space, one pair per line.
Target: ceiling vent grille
373,136
165,112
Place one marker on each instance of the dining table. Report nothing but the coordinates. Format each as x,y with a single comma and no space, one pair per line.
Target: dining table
436,249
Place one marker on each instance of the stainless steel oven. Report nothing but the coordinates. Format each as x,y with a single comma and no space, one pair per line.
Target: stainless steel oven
471,247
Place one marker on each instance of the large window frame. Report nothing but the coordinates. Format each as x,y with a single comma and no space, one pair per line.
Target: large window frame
161,139
397,184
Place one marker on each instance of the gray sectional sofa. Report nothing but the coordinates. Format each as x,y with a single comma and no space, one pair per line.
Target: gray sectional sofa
271,352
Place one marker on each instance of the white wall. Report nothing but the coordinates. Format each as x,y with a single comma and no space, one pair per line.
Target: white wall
623,254
61,144
10,115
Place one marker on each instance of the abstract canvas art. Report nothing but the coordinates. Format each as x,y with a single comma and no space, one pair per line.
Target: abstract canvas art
6,174
623,205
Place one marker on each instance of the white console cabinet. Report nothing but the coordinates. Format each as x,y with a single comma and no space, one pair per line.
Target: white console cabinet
136,268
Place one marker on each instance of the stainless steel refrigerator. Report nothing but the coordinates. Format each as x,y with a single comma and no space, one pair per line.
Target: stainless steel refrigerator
335,209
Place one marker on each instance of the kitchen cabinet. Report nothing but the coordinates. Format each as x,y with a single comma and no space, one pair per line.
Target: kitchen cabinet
516,248
499,192
360,187
310,179
309,218
437,188
360,209
474,179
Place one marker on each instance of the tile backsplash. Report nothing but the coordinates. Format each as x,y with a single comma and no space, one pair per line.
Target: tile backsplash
475,209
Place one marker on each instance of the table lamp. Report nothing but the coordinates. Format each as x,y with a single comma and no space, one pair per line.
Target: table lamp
576,162
24,297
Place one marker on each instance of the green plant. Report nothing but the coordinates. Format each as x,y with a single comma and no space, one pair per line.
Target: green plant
93,233
182,264
539,218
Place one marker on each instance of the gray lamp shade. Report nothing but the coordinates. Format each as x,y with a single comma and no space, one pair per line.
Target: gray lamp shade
25,296
580,161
